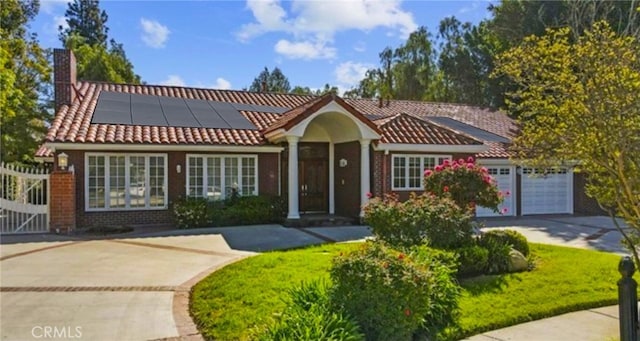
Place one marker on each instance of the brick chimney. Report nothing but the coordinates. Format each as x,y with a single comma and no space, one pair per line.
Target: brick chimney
64,77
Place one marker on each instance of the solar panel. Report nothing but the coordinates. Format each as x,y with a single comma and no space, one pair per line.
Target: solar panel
205,114
232,116
150,110
475,132
112,109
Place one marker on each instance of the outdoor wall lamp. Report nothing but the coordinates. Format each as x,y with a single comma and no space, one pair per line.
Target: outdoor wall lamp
178,168
63,161
343,163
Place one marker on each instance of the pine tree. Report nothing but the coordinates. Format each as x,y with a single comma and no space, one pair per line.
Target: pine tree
274,81
85,19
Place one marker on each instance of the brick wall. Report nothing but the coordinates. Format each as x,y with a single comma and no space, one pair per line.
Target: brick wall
382,172
267,184
62,201
64,77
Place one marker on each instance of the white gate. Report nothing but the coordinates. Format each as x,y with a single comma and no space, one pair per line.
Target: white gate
24,196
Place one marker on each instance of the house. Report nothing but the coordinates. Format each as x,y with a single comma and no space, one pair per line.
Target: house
135,149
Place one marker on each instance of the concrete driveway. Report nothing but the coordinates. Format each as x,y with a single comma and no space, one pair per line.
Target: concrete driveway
124,289
136,287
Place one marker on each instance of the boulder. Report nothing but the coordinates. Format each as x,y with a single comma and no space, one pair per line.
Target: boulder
517,261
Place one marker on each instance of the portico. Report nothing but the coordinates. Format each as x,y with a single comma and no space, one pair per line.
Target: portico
327,158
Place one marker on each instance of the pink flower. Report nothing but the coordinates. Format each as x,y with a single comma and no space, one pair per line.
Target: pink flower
499,194
455,166
484,170
470,165
470,159
369,195
461,161
428,172
507,193
445,189
438,168
446,163
504,211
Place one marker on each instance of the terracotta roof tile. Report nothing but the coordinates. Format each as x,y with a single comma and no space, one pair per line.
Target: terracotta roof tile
73,123
404,128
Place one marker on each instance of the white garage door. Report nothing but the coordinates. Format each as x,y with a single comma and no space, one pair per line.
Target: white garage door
547,191
504,178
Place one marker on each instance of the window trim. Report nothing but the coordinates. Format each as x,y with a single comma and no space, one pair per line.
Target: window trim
222,171
406,168
107,182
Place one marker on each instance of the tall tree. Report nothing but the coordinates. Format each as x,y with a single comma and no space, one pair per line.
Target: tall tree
24,75
578,101
87,37
271,81
85,19
414,69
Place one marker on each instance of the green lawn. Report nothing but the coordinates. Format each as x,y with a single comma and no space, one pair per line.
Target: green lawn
230,302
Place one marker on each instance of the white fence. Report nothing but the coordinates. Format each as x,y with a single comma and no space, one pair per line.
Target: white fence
24,199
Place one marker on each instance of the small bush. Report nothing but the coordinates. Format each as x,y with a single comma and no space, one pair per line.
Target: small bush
308,317
473,260
439,221
499,257
236,210
391,294
190,213
514,238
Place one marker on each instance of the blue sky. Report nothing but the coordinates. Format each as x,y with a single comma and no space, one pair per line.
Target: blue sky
225,44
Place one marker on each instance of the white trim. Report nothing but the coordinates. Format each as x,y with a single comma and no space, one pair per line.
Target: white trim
332,179
406,169
107,184
223,158
365,169
431,148
495,162
121,147
294,205
366,132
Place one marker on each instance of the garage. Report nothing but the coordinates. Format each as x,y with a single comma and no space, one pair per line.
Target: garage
504,176
547,191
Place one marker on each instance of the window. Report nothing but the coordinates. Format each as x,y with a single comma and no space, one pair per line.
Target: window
408,169
217,177
121,182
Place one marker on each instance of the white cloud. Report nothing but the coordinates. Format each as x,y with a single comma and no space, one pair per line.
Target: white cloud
59,20
222,84
304,49
173,80
349,73
52,6
360,46
314,23
154,34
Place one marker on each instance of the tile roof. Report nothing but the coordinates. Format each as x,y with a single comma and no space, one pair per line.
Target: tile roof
72,124
404,128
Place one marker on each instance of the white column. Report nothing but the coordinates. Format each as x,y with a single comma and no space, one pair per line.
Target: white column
332,179
293,178
365,169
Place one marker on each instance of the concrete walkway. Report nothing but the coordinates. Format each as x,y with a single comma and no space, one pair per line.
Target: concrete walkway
135,286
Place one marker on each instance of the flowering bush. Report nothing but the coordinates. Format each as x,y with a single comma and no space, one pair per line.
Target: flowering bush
467,183
390,294
423,218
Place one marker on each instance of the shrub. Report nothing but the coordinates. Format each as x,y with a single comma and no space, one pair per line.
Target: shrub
425,217
308,317
499,257
391,294
236,210
473,260
467,183
514,238
190,213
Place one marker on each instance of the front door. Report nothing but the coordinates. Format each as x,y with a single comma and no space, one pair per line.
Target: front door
313,185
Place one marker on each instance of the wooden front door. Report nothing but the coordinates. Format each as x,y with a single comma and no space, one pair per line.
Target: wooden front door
313,176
